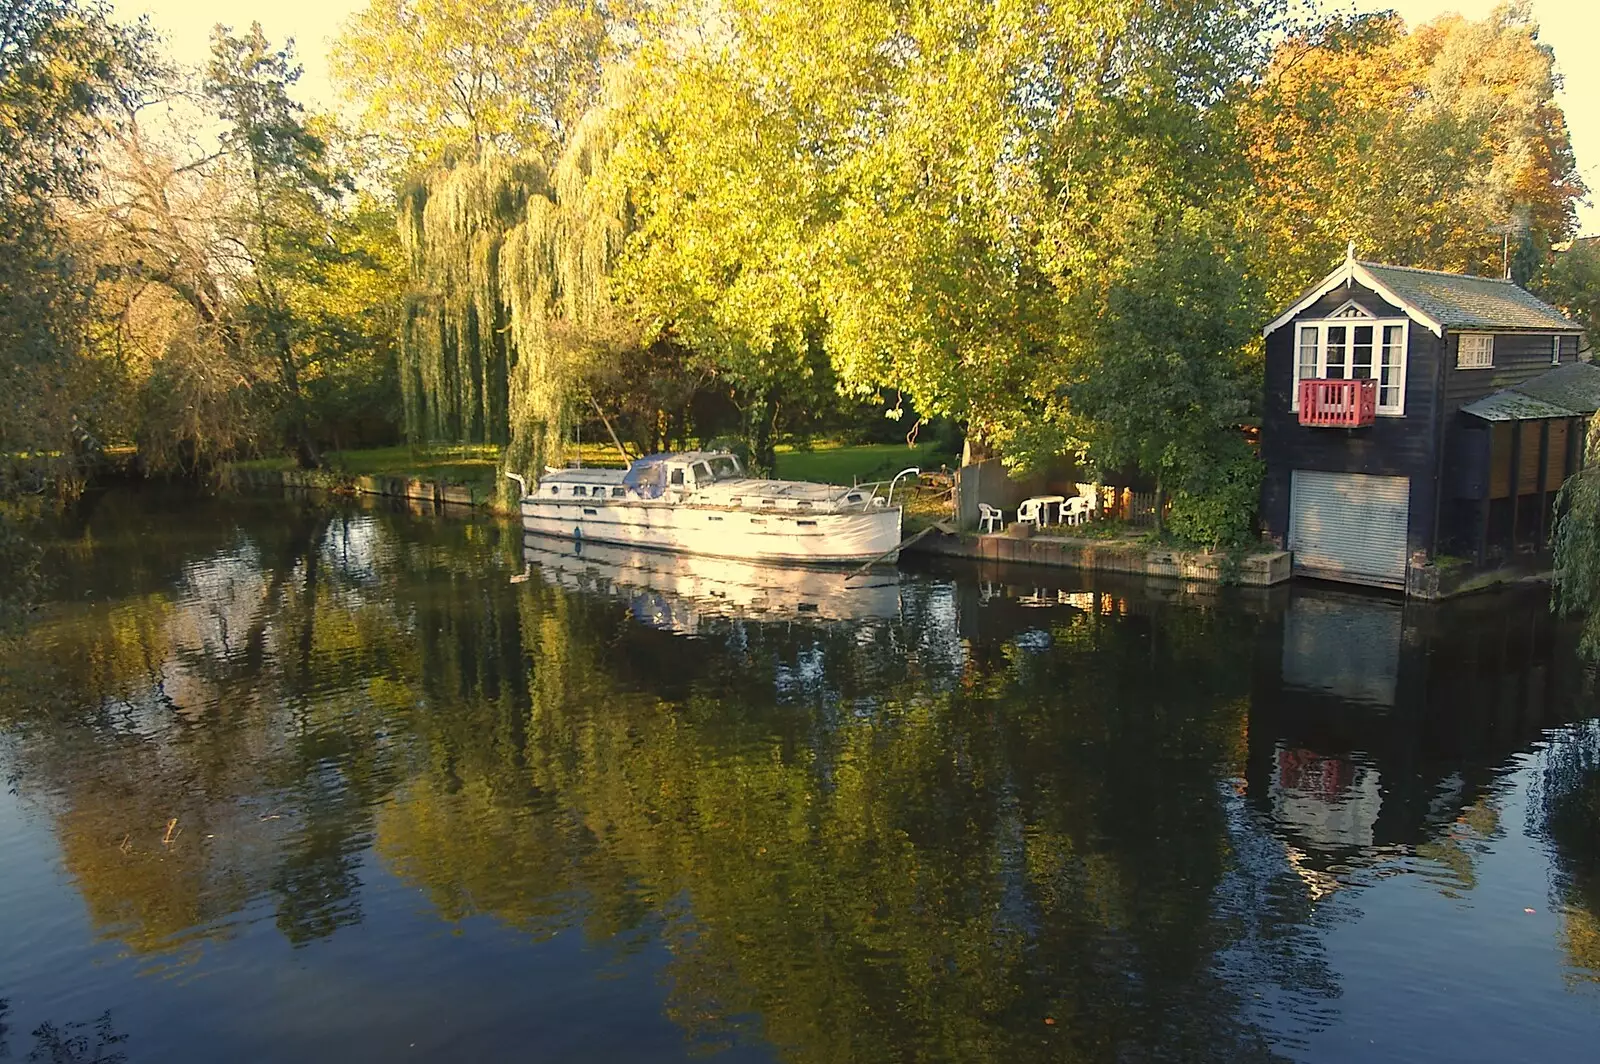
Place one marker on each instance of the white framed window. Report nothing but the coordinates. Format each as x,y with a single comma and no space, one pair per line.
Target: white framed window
1476,351
1555,350
1345,350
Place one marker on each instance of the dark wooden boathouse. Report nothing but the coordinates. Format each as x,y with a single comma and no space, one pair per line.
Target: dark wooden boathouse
1413,413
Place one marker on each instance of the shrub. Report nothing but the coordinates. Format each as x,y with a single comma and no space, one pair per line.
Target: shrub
1216,507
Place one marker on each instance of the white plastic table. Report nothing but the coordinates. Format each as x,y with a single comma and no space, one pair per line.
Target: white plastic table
1039,506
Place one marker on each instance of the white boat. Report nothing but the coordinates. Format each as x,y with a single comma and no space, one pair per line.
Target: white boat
680,593
703,502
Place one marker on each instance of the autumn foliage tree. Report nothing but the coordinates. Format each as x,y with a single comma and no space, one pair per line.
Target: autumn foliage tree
432,76
974,205
1441,147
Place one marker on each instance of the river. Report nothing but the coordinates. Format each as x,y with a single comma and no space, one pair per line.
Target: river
297,780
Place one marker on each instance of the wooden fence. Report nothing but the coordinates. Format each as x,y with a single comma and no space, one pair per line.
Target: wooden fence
1138,508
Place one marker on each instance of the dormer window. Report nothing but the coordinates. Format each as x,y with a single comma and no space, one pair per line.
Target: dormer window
1476,351
1353,346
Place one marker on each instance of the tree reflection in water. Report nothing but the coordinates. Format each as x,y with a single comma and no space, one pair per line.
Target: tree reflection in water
94,1042
1568,811
993,823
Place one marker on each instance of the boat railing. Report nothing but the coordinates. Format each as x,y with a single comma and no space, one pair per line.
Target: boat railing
877,484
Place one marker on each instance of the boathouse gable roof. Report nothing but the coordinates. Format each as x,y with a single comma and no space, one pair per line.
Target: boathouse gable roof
1438,300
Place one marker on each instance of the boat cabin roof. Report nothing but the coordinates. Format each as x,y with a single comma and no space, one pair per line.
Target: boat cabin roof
684,457
587,475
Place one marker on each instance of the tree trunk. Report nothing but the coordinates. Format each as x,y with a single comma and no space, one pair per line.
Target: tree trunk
974,450
1161,504
761,434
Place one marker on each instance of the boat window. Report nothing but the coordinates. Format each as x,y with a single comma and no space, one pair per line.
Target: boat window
702,473
769,502
676,479
725,466
555,489
619,492
802,506
580,490
853,497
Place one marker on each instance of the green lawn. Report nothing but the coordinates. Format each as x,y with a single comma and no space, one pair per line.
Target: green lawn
475,464
828,463
478,464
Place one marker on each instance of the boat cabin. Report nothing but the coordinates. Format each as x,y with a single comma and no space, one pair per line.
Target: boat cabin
1414,413
704,478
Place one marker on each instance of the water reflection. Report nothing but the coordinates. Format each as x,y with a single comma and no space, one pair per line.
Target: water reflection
677,594
960,814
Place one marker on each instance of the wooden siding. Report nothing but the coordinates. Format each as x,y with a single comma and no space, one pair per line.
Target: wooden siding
1480,466
1467,465
1393,446
1555,464
1499,459
1518,357
1365,298
1528,457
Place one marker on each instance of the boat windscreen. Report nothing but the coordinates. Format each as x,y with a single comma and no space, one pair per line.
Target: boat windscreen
647,476
724,466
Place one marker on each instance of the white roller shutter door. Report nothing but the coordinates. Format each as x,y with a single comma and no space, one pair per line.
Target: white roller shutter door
1350,526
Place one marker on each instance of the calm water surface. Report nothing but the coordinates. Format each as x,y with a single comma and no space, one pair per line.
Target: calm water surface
295,780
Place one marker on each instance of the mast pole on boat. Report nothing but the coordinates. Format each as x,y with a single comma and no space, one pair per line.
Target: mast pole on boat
623,451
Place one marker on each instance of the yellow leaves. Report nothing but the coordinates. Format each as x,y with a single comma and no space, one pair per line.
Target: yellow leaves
436,75
1420,145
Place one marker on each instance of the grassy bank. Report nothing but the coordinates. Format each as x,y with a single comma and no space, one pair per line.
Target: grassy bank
832,463
478,465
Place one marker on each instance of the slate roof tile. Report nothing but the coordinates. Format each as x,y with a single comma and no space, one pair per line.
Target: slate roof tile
1459,301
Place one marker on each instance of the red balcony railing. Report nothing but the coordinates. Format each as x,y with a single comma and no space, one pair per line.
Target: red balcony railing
1340,404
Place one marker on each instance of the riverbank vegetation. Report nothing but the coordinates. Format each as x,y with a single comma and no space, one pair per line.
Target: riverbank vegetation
481,465
1039,230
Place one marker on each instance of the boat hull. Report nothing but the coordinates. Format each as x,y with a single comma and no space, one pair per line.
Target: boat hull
819,538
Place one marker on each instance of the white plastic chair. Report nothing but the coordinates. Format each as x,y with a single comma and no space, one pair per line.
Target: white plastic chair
1031,511
990,519
1076,510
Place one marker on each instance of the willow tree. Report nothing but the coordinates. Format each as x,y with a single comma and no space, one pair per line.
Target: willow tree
510,310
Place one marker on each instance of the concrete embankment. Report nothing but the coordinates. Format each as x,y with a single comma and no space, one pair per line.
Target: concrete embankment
1261,569
414,489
